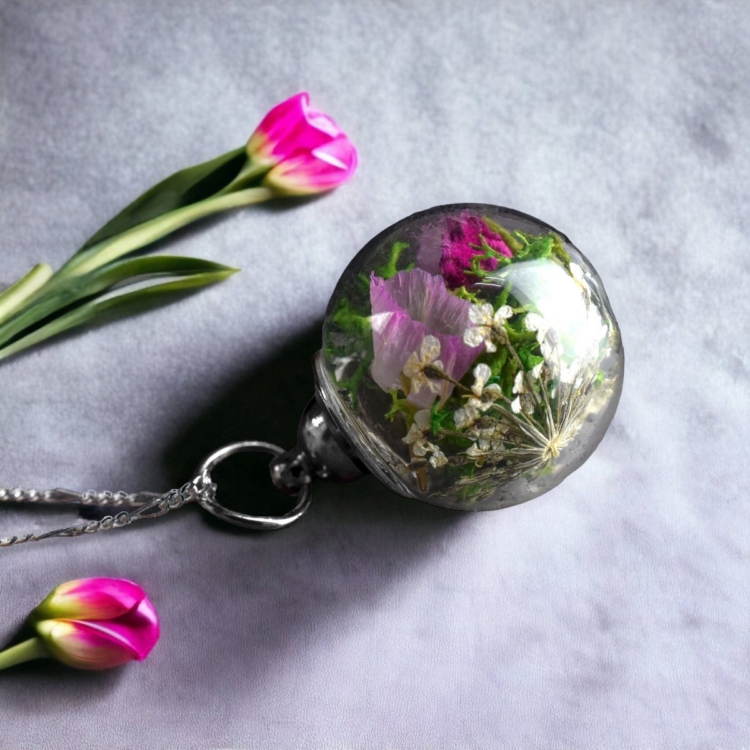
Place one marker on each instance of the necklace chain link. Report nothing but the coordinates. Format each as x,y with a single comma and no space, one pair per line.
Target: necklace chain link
140,506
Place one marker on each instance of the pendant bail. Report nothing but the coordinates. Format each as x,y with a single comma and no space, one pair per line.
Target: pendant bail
321,452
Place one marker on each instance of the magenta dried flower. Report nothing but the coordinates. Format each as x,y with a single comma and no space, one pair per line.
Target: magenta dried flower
462,242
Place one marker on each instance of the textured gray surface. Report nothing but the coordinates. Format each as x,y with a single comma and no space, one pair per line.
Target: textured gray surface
611,613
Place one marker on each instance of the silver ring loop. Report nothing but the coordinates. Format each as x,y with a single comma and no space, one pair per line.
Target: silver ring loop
247,521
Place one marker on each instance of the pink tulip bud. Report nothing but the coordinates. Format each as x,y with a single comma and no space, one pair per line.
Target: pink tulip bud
307,152
92,623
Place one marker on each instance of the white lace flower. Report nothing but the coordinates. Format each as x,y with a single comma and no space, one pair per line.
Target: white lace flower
484,395
488,326
595,335
483,398
490,394
483,448
438,458
416,435
482,374
465,416
572,374
551,348
414,369
517,405
549,341
420,446
523,402
488,435
475,452
488,429
538,324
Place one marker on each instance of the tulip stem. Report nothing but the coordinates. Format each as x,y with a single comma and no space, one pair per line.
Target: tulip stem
246,175
34,648
151,231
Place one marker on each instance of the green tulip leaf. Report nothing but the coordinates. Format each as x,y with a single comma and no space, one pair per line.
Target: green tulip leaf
18,294
181,189
191,273
101,280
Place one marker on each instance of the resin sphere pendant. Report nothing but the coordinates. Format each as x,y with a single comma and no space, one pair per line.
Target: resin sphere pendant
470,359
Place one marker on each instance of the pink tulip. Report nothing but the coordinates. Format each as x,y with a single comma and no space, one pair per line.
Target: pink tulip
307,152
92,623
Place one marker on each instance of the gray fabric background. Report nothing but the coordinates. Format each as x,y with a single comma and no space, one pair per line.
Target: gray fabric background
610,613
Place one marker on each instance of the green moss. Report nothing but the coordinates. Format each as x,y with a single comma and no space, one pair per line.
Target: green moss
536,248
400,406
390,268
497,360
363,281
464,293
440,419
352,384
350,321
559,251
528,357
502,298
475,268
512,242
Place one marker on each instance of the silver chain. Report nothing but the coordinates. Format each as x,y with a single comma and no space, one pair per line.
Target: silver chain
141,505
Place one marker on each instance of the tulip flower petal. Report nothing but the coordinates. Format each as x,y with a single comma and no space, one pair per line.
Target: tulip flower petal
289,127
140,628
306,173
92,598
85,645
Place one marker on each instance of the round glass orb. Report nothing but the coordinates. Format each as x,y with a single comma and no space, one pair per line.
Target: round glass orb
471,357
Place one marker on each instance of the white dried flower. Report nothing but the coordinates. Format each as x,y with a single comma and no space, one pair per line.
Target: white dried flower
489,326
414,369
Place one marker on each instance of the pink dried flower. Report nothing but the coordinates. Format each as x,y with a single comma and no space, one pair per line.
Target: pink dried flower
417,326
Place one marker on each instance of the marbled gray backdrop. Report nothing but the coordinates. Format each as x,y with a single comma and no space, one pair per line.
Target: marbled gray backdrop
611,613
